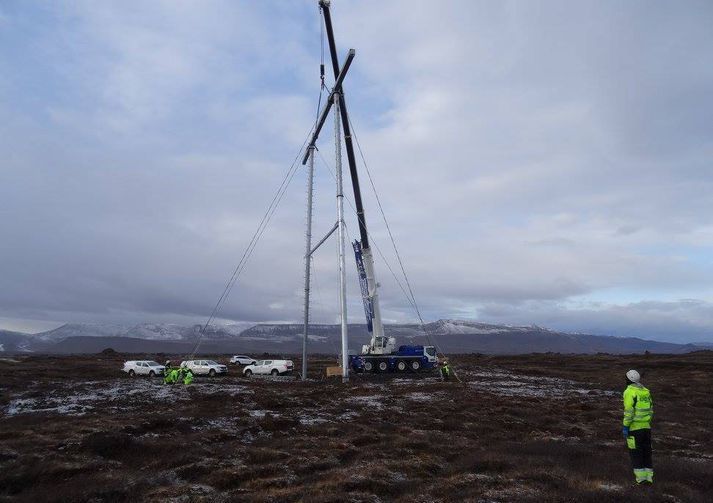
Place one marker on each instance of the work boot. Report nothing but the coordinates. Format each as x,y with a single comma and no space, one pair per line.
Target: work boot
640,475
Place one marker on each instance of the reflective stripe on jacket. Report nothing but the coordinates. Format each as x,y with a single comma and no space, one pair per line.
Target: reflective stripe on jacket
638,407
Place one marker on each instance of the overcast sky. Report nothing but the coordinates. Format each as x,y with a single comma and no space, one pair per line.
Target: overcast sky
543,163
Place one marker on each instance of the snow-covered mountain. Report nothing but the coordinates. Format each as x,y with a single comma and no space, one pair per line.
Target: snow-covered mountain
147,331
451,327
452,336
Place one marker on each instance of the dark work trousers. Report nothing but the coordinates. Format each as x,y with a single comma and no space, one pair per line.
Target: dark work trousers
641,453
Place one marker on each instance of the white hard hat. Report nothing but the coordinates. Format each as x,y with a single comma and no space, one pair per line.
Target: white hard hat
633,376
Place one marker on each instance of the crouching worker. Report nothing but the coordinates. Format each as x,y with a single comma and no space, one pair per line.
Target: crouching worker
638,411
446,371
171,376
167,372
188,377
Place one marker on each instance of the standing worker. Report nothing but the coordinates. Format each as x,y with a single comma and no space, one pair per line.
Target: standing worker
446,371
638,411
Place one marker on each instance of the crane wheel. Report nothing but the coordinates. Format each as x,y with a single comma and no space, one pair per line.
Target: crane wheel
401,366
383,366
415,366
368,366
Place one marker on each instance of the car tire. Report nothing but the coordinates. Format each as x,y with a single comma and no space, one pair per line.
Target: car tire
368,366
211,372
401,366
132,373
248,373
275,372
415,365
383,366
152,373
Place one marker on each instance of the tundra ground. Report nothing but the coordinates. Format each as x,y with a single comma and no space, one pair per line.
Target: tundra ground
527,428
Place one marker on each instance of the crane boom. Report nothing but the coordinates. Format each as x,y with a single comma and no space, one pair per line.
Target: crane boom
379,343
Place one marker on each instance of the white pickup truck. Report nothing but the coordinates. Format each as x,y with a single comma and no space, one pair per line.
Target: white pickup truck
273,367
205,367
143,367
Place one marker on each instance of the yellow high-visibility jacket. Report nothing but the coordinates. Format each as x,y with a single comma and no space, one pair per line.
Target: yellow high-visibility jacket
638,407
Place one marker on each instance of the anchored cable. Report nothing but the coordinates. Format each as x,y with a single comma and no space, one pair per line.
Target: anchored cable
410,296
393,243
247,253
372,240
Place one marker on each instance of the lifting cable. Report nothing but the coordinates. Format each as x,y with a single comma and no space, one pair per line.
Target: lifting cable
322,86
396,251
374,242
370,236
271,208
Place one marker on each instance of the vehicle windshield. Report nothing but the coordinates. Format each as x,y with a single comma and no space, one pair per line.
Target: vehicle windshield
431,351
211,362
154,364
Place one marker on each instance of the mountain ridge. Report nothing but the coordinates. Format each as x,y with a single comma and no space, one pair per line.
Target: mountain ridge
450,335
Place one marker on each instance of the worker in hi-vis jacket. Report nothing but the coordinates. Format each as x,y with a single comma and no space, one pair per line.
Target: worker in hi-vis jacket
638,411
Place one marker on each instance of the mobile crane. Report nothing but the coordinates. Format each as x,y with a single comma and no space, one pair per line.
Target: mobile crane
381,354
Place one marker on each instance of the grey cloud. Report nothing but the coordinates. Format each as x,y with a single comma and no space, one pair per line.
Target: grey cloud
527,155
683,320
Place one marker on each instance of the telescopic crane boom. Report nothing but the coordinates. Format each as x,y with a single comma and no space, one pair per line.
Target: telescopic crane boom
365,259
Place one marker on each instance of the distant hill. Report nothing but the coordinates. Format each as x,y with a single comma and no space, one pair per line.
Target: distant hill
452,336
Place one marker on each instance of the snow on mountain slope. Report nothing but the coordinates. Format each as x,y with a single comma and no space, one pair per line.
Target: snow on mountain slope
147,331
269,331
453,327
452,336
81,330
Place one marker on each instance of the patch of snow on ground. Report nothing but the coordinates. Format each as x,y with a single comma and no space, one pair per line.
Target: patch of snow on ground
609,487
401,381
311,420
347,416
501,382
420,396
224,424
113,395
373,401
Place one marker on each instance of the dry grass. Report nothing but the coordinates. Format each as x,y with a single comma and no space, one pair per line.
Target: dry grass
526,428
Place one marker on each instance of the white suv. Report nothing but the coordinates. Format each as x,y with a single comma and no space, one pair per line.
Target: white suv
204,367
143,367
242,360
274,367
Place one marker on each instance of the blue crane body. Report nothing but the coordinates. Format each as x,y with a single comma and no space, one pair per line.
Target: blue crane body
404,359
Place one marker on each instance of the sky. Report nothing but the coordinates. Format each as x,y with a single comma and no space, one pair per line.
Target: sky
545,163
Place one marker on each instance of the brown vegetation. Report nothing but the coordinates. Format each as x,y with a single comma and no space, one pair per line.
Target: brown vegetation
524,428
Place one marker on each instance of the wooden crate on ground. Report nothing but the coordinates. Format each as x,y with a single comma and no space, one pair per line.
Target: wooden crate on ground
334,371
